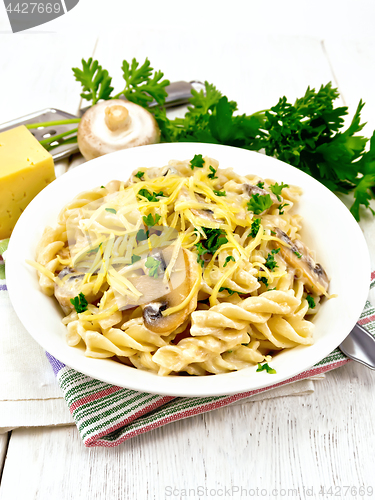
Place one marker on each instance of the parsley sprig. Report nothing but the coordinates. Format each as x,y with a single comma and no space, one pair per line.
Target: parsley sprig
150,221
197,162
214,239
79,303
151,197
255,225
270,261
310,301
153,266
142,84
266,367
277,188
259,203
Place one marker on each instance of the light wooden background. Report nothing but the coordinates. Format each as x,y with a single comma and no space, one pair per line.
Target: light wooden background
322,440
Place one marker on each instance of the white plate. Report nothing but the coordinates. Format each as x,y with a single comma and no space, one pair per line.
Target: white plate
329,230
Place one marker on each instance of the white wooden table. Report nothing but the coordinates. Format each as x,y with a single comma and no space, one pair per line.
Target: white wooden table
267,448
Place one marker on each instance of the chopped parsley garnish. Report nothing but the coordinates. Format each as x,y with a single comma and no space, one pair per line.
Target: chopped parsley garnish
215,238
142,235
139,174
280,207
260,184
153,265
270,261
213,173
150,197
229,352
102,187
94,250
264,280
228,259
277,188
255,227
80,303
223,289
299,255
197,162
135,258
111,210
310,301
220,193
259,203
266,367
273,232
150,220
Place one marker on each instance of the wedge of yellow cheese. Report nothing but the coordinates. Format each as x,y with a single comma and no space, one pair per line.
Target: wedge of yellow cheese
25,169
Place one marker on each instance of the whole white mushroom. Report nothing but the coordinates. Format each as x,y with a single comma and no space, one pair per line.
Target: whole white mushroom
113,125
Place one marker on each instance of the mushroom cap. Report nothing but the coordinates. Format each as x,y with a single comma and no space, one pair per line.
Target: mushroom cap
96,138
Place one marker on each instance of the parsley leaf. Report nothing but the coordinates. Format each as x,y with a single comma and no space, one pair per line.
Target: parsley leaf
95,81
150,197
197,162
260,184
259,203
220,193
270,261
266,367
80,303
111,210
228,259
280,207
213,173
223,289
264,280
255,225
277,188
150,220
142,85
299,255
214,239
310,301
135,258
139,174
153,265
142,235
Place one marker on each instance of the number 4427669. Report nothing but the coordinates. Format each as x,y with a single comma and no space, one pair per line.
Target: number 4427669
34,7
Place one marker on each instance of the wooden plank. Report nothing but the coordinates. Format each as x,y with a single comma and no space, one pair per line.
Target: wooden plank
254,70
36,73
285,443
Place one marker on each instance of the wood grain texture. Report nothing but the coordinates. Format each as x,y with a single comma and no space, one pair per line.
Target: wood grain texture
253,70
325,439
39,74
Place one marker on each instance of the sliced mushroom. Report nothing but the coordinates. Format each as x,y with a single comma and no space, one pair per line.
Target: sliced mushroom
70,285
113,125
251,190
205,213
299,257
152,312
